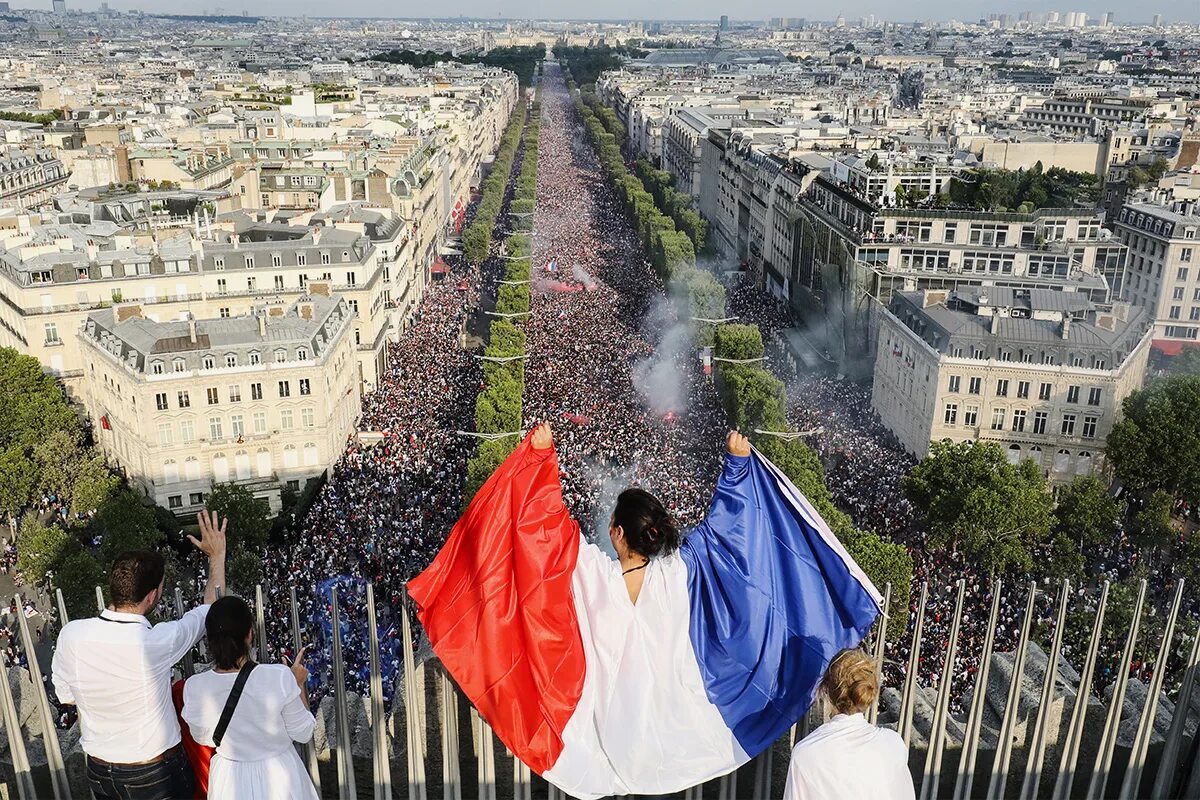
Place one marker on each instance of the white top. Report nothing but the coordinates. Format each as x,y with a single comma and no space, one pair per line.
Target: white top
848,758
116,669
270,714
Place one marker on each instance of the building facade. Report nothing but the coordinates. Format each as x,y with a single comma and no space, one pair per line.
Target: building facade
1164,268
265,399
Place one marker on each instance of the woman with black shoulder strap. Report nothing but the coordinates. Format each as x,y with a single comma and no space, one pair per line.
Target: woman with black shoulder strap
250,713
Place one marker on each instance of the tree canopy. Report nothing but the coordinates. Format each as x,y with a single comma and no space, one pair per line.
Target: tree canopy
1156,444
1006,190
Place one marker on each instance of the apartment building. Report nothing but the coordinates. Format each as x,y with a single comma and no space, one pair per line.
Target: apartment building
1043,373
29,177
264,399
1094,115
52,276
1164,267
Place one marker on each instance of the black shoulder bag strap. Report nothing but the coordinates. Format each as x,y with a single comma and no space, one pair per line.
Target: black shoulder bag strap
235,694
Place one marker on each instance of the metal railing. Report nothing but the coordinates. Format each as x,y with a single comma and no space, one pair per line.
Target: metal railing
1025,738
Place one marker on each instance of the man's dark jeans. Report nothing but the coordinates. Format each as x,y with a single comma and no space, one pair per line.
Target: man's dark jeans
169,779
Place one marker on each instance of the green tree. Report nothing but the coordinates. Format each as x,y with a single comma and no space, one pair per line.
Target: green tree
1152,529
1086,514
16,482
1186,363
973,498
32,405
738,342
77,576
91,484
123,522
39,548
57,458
249,527
1156,443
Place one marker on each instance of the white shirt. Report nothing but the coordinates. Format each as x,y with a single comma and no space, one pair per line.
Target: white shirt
116,669
848,758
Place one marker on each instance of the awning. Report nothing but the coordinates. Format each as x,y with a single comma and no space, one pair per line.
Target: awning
1170,347
440,267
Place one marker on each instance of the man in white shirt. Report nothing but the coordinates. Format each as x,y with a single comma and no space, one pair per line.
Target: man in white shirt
116,669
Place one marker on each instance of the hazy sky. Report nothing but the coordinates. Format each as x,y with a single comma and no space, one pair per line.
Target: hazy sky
968,10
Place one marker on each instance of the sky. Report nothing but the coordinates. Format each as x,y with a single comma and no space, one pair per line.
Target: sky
970,10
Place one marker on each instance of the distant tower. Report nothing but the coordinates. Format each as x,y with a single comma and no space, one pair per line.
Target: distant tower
1051,17
1109,16
60,6
724,22
1157,21
840,22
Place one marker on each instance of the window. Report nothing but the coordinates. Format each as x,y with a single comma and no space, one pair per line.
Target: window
1002,388
1181,274
1094,395
260,422
187,432
301,259
950,232
1040,418
222,286
1023,390
164,434
998,419
285,389
255,358
214,396
971,416
51,333
1044,391
251,284
1177,293
156,368
230,360
302,354
236,426
324,258
951,417
285,419
249,262
1072,394
1068,425
350,279
160,401
294,485
1175,312
1089,427
278,282
306,417
1048,359
184,400
955,384
209,362
1018,420
256,391
235,394
276,261
280,356
223,312
974,386
175,501
215,432
178,365
196,498
305,386
1185,255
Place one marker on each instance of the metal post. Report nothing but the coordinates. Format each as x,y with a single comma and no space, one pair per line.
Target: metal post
414,722
881,625
341,714
1070,754
522,784
485,755
16,741
379,740
1145,728
451,771
1037,745
937,734
1174,746
54,757
260,625
310,749
907,700
99,600
974,729
189,666
63,616
728,787
1004,746
1112,720
762,774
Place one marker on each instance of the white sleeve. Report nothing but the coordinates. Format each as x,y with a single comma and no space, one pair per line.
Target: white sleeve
62,671
193,715
170,641
298,721
796,787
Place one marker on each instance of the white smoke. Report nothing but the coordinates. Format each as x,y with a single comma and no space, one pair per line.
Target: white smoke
661,379
610,485
580,274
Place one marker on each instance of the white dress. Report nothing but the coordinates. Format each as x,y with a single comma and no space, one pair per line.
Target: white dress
848,758
257,759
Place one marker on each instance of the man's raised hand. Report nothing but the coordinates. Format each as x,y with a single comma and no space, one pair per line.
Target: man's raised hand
543,437
212,535
738,445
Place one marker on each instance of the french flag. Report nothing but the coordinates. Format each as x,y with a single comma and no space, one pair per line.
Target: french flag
721,654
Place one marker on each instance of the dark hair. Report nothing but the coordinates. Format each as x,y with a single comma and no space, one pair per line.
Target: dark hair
228,623
135,574
648,527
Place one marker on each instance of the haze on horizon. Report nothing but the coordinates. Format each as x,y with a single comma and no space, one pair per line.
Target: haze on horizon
938,10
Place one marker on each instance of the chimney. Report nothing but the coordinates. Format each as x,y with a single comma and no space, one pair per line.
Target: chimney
995,324
1066,327
235,239
262,323
92,249
316,235
191,327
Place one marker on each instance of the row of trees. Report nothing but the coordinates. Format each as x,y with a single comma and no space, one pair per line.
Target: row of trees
42,118
477,237
521,59
588,62
677,205
755,400
1026,189
498,407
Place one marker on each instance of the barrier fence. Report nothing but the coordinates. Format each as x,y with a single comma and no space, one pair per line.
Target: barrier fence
1026,771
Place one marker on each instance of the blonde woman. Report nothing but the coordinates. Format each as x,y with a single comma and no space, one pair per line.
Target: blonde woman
848,758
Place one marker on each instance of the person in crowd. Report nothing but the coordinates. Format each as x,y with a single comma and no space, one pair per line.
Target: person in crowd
848,758
251,713
116,669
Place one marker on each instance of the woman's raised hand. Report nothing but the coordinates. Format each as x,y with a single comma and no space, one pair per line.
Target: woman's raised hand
738,445
299,671
543,437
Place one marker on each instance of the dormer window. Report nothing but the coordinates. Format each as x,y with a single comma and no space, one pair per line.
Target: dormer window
209,362
255,358
230,360
280,356
156,368
302,354
178,365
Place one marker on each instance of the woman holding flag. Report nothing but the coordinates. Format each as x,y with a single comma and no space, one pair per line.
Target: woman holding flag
674,666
